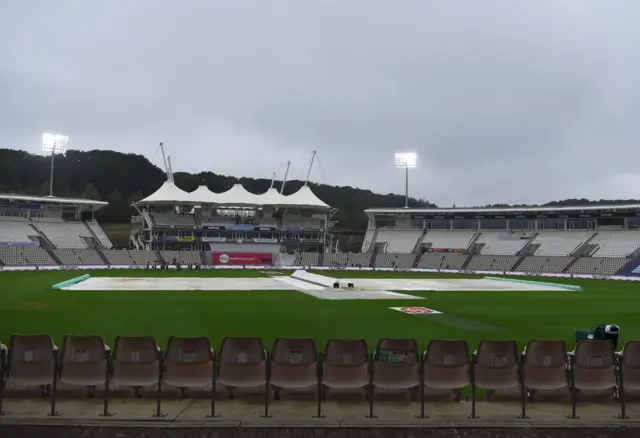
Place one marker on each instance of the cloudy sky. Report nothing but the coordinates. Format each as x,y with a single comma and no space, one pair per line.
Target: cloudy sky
504,101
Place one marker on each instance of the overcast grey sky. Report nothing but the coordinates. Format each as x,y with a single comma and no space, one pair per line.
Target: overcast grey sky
504,101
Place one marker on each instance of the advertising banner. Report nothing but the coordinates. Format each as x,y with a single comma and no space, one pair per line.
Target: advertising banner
241,228
24,244
242,258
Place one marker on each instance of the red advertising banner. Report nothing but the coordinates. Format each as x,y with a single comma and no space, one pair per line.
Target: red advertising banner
242,258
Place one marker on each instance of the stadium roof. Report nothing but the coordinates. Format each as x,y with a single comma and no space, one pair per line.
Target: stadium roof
236,196
51,200
488,210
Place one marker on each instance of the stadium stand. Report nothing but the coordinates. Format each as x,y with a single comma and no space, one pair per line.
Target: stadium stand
306,258
118,257
453,240
597,265
171,220
97,230
64,234
142,257
492,263
501,243
442,260
398,241
545,264
615,243
560,243
548,239
184,257
17,231
25,256
78,257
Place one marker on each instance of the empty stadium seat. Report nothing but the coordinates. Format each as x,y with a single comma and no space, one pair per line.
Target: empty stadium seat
629,366
85,361
33,361
136,363
345,365
446,366
396,366
544,367
243,364
190,363
494,367
294,366
592,369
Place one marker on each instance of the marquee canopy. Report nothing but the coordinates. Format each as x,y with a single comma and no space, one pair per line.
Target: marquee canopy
236,196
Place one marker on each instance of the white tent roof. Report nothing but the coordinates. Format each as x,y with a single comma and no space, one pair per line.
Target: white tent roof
237,195
305,198
202,195
273,197
167,193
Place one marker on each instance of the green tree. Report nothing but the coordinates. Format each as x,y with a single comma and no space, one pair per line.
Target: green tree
90,192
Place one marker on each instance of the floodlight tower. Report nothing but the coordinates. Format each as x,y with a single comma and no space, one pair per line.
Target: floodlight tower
53,144
406,161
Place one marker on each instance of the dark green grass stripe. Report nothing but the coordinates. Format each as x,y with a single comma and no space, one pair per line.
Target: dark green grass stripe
460,323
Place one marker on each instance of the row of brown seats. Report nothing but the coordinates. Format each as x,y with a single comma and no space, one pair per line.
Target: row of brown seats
34,360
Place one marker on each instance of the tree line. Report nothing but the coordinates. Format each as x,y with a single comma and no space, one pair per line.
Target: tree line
121,179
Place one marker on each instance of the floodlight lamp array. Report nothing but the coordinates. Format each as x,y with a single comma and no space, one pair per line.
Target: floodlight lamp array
406,160
54,143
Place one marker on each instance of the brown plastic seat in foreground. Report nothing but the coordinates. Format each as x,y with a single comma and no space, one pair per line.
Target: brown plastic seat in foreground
243,364
294,365
137,362
629,366
190,363
544,367
396,366
33,361
84,361
592,368
345,364
445,366
494,367
3,364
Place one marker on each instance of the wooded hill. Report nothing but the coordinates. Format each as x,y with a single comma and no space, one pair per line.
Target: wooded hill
123,178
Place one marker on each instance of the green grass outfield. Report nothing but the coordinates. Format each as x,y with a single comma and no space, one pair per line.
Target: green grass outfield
28,305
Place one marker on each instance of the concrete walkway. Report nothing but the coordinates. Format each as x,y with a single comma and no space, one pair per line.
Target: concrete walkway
298,411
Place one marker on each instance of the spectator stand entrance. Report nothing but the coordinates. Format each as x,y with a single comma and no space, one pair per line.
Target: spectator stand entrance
594,239
44,231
